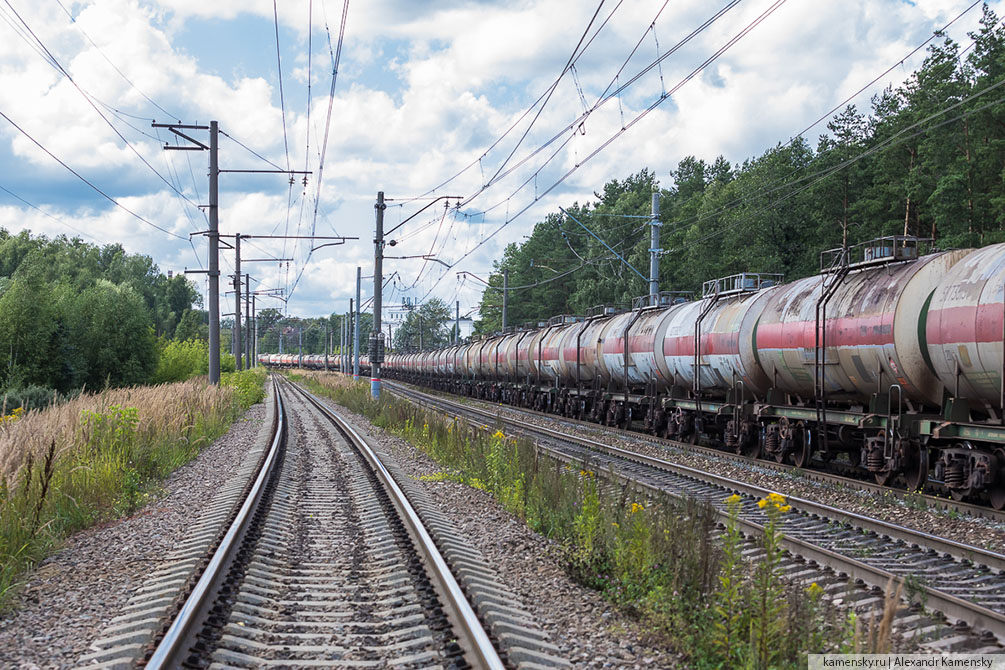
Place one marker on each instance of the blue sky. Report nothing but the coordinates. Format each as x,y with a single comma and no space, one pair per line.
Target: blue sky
423,90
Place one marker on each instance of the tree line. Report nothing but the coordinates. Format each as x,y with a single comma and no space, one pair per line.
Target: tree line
76,315
928,160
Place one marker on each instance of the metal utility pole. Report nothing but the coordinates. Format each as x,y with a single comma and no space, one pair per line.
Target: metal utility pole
378,285
247,323
355,331
300,347
341,345
352,348
654,250
505,296
254,339
419,314
237,303
457,323
214,255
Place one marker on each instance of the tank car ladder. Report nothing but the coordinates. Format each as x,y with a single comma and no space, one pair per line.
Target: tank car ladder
832,279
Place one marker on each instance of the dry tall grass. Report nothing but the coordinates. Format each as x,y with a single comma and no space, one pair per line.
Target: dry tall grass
166,410
99,456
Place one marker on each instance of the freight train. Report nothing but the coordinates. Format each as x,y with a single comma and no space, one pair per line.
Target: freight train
308,361
888,360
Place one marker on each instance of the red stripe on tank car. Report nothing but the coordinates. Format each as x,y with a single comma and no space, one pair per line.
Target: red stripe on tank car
712,344
845,332
549,353
958,324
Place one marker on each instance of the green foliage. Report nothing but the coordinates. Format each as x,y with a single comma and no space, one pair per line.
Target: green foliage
180,360
74,314
248,385
429,325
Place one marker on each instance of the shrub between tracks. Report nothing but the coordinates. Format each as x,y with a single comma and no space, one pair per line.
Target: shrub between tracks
102,455
658,558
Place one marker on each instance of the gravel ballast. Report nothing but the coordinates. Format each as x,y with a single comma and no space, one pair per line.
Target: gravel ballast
73,595
589,631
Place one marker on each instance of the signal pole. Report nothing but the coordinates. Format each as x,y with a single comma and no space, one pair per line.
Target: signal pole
247,323
355,331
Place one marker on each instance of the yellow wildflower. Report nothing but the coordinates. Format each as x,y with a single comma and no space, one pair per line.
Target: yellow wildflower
761,503
814,590
498,435
776,498
733,499
784,508
637,507
616,524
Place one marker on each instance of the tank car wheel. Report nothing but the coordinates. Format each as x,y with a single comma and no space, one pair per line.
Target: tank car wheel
998,488
802,449
916,468
882,477
695,425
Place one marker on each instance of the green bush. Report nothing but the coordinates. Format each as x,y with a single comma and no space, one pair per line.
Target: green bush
248,385
180,360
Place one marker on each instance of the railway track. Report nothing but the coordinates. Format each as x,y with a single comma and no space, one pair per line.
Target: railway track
819,471
332,559
963,583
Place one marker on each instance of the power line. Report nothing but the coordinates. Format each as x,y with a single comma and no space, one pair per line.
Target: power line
76,24
282,99
736,38
54,62
83,179
551,91
45,213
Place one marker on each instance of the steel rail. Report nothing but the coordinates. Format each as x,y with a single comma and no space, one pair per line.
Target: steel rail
179,636
473,638
970,509
952,606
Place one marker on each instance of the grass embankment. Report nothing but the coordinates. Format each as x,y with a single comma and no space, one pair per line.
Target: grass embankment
100,456
659,559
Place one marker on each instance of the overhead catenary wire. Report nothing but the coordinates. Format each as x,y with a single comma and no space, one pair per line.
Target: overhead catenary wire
48,214
279,70
517,122
76,24
725,47
89,183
